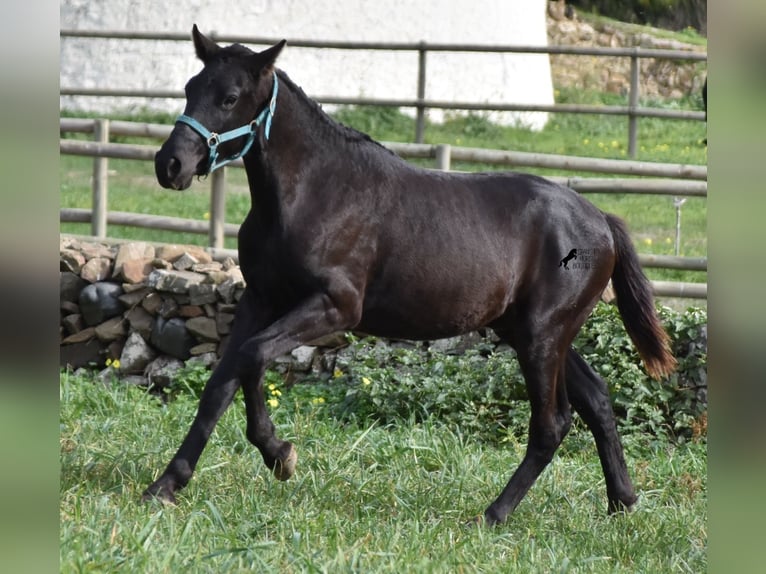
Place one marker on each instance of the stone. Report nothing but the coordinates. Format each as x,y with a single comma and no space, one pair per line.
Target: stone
223,323
172,337
112,329
70,286
73,323
71,260
69,308
136,270
136,254
99,302
81,354
173,281
303,357
136,355
81,336
133,298
190,311
202,293
206,359
185,262
140,321
97,269
169,308
152,303
162,371
212,267
203,349
173,252
93,250
204,328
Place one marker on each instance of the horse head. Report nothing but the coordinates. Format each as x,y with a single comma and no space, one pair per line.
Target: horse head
229,106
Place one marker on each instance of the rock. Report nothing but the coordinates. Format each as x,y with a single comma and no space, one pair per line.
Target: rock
140,321
172,337
80,336
173,252
303,357
73,323
169,308
190,311
206,359
136,354
99,302
185,262
97,269
70,286
136,254
173,281
81,354
223,323
71,260
112,329
202,293
152,303
137,270
162,370
133,297
203,349
93,250
204,328
212,267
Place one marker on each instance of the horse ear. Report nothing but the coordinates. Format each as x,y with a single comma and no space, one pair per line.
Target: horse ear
265,60
203,45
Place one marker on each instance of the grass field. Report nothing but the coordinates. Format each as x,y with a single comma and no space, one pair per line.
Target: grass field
652,219
365,498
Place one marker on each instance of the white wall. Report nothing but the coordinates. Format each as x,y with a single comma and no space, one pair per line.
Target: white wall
472,77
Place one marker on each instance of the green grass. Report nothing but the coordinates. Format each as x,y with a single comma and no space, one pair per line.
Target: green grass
132,185
365,498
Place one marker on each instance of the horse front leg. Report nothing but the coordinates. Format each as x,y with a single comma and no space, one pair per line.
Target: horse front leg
216,397
589,396
315,317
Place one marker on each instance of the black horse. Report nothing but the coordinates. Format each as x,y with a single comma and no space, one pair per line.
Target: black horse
345,235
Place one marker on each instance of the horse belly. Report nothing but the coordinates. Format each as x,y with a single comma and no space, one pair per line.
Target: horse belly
433,309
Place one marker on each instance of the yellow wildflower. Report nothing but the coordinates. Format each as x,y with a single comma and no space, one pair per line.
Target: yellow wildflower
337,373
273,403
366,381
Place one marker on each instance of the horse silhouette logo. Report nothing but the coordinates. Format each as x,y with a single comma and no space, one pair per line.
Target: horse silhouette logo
572,255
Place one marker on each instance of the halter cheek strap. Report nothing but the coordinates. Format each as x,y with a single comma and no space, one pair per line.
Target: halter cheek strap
213,139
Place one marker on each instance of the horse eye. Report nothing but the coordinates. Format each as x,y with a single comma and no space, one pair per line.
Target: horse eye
229,101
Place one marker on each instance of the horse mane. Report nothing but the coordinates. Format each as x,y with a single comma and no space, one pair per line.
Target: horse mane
347,132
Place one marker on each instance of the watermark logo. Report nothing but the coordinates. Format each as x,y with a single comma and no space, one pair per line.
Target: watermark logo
579,258
565,261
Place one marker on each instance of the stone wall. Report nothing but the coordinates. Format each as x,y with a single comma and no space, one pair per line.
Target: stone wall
153,308
658,78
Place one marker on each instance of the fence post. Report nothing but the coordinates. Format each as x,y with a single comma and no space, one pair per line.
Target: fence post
420,119
443,156
100,183
633,103
217,208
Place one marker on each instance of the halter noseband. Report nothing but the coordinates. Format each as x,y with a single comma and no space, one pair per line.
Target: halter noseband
213,139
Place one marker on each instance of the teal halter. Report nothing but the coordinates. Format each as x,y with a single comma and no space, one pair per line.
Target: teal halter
213,139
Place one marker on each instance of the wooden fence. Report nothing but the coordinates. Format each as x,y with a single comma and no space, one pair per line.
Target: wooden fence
633,111
666,179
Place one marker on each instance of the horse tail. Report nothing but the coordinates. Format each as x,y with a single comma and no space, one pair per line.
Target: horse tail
636,305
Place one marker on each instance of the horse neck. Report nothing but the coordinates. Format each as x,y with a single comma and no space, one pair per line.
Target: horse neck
303,138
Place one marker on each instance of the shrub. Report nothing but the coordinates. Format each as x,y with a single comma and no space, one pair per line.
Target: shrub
482,391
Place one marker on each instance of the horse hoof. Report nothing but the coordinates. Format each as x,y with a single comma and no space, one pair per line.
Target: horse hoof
158,494
285,468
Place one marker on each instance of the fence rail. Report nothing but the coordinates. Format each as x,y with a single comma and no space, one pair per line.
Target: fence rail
633,111
680,180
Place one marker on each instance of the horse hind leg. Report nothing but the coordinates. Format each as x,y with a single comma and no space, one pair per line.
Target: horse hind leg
542,366
589,397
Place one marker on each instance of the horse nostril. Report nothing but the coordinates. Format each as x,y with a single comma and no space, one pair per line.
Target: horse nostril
174,167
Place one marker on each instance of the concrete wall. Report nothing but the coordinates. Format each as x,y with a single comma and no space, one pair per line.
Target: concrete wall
480,77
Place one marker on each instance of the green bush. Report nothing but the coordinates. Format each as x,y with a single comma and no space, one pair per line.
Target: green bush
482,392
